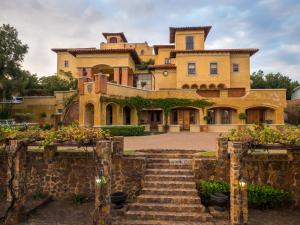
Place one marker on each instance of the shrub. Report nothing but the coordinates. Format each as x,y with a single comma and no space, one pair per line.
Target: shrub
126,130
80,199
23,117
242,116
259,196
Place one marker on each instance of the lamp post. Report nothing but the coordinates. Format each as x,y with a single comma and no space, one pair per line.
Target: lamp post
243,217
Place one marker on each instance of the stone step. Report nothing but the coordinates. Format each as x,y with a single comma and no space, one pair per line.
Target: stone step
170,160
168,151
167,207
171,216
168,166
144,198
156,177
170,155
160,222
169,184
169,171
168,191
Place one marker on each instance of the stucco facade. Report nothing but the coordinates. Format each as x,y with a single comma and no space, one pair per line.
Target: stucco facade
184,68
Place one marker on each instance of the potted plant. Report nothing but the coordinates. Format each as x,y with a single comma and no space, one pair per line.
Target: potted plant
243,117
118,199
143,84
204,127
166,128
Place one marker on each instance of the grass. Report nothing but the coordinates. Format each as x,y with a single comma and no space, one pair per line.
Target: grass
208,154
129,152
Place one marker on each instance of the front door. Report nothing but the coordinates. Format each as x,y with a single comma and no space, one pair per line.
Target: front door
154,118
186,119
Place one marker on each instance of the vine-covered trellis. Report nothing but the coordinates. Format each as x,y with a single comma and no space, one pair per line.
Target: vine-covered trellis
166,104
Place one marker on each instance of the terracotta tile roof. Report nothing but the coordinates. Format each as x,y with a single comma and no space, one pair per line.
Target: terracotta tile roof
76,51
162,66
251,51
70,49
105,34
156,47
173,30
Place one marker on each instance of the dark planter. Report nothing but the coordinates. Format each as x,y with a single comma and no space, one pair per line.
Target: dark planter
219,199
118,199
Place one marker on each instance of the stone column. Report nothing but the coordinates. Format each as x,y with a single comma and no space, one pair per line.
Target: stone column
81,81
125,76
238,194
103,181
222,151
118,145
16,178
117,75
294,158
100,83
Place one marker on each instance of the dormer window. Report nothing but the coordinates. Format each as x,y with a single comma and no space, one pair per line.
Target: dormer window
113,40
189,43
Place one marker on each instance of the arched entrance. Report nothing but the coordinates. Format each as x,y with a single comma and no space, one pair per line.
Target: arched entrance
126,115
89,115
221,115
109,114
260,114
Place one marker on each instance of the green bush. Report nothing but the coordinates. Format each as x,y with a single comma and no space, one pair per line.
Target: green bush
259,196
126,130
23,117
80,199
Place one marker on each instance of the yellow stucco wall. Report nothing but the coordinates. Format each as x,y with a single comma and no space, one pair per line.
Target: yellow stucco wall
165,81
241,78
61,57
198,39
163,53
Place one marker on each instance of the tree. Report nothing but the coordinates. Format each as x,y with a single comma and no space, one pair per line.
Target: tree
54,83
273,80
12,52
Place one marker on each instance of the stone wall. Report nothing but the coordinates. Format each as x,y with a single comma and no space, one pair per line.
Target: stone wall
72,173
276,170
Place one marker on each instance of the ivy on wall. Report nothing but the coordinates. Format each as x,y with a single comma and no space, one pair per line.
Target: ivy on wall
166,104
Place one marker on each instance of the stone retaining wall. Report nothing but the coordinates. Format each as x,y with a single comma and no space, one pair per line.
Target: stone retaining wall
276,170
73,173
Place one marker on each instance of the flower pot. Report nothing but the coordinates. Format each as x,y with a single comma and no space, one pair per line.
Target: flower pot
204,128
219,199
118,199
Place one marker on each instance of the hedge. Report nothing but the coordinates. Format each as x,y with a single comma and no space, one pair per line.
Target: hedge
126,130
259,196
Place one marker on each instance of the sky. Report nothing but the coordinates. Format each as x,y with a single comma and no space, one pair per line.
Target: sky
273,26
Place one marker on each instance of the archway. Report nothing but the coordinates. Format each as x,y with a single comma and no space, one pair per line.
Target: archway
221,86
89,115
109,114
203,87
212,87
104,69
221,115
184,116
126,115
260,114
194,86
185,86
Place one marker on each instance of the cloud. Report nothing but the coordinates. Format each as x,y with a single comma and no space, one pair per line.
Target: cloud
270,25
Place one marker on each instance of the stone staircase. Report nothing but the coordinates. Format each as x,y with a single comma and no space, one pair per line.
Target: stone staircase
169,195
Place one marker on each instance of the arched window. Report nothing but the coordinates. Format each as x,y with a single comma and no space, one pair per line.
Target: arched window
142,52
186,86
109,115
212,86
126,115
113,40
221,86
203,86
194,86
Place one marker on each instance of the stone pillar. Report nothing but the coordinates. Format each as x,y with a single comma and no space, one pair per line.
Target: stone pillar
81,81
17,165
294,158
117,75
125,76
222,151
49,153
118,145
103,182
238,194
100,83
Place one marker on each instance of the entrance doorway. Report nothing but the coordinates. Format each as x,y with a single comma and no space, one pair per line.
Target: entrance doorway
155,118
183,117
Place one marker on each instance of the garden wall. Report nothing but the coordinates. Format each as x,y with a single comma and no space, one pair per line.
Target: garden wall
3,173
72,173
276,170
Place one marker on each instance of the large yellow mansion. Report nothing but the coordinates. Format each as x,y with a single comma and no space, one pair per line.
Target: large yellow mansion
182,69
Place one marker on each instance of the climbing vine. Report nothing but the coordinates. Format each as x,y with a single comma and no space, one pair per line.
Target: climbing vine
166,104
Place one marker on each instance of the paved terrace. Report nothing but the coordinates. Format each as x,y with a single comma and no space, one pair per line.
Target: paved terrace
182,140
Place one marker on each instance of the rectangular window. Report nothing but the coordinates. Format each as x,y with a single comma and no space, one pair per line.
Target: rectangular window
66,63
235,67
167,60
191,68
189,43
213,68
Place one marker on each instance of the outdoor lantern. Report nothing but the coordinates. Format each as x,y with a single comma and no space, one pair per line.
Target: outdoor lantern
243,183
